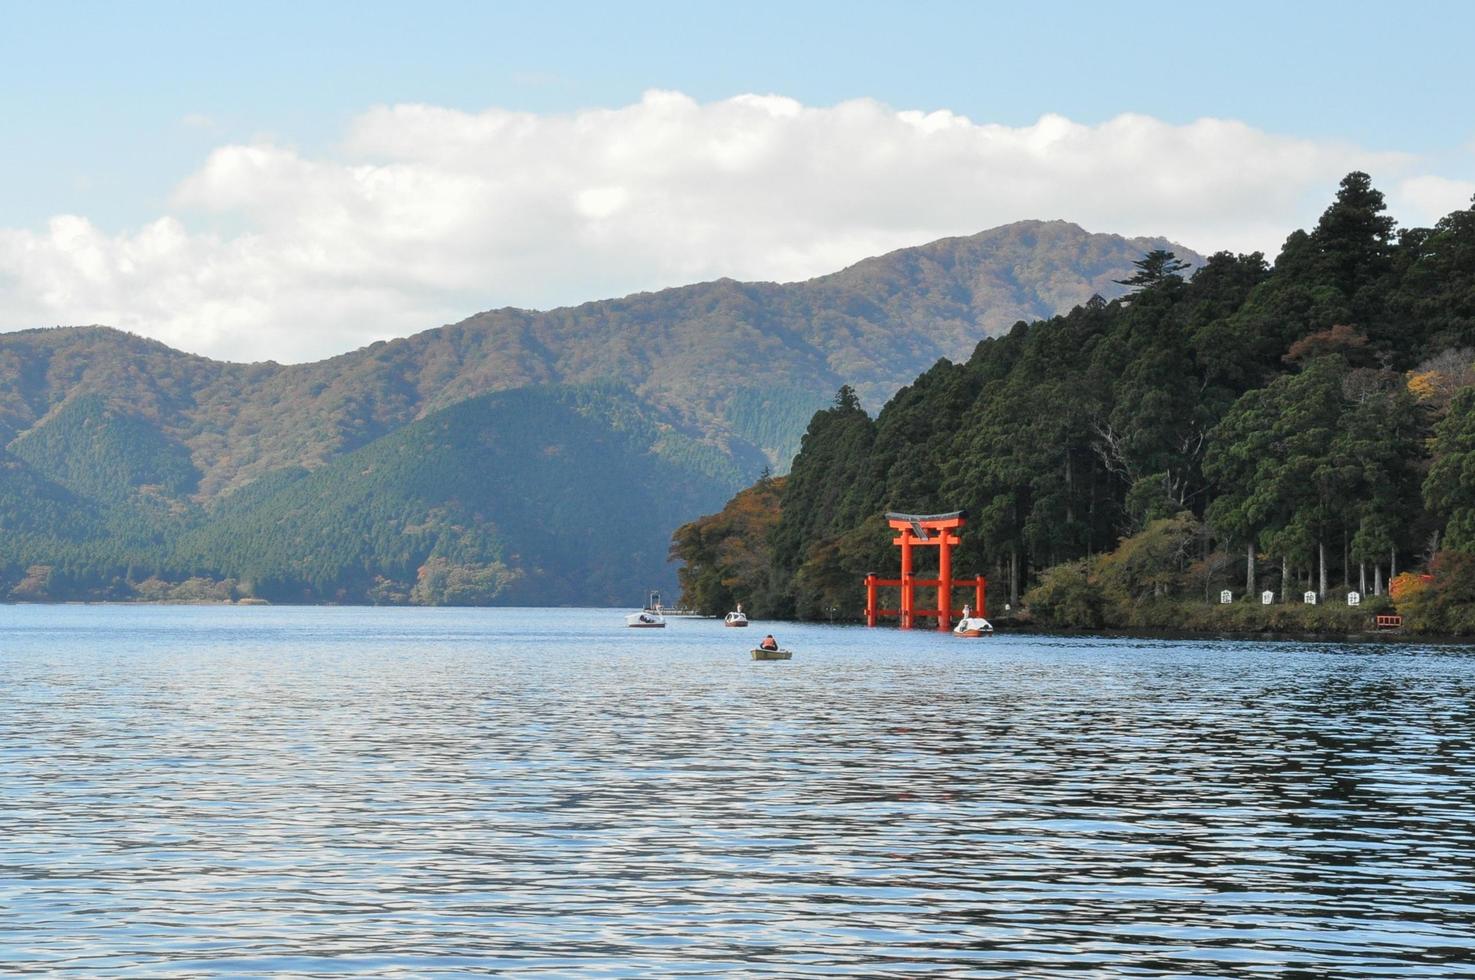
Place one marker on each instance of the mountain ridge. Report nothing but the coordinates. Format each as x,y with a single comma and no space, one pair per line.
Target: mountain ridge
690,349
149,445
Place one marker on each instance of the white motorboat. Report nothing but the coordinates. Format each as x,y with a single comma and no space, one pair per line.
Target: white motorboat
736,618
651,617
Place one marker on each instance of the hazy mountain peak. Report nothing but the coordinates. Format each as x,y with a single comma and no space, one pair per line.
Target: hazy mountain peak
733,360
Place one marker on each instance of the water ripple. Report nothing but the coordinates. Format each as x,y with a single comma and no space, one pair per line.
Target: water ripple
320,792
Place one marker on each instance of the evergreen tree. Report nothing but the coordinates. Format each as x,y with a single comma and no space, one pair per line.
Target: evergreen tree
1355,235
1155,268
1449,489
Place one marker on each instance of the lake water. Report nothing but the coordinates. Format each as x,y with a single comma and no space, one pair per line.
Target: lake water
415,792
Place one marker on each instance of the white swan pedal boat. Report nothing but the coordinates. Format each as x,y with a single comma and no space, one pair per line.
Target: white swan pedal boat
736,618
971,625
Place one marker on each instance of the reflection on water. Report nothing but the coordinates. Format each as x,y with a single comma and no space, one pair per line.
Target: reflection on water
189,791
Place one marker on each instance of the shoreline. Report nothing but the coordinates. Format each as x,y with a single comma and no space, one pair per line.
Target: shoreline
1003,627
1399,635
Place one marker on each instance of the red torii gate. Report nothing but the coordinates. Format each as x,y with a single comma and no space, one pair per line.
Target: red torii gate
917,529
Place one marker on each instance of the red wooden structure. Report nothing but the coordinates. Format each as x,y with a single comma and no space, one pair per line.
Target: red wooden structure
925,530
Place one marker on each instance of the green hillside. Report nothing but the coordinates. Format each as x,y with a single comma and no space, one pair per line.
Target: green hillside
475,505
471,505
1302,428
42,519
104,452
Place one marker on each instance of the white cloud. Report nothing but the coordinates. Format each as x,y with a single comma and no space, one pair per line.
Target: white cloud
1425,199
429,214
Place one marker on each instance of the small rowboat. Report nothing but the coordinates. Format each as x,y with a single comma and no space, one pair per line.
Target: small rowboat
760,654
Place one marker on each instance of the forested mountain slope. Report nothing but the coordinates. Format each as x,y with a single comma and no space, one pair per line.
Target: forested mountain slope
554,495
475,504
1291,429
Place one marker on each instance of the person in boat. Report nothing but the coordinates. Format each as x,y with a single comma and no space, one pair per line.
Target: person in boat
769,643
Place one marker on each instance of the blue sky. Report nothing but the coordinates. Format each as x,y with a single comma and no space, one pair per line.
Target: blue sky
110,109
96,95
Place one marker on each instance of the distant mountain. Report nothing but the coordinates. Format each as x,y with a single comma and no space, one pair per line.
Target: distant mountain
551,495
172,464
739,361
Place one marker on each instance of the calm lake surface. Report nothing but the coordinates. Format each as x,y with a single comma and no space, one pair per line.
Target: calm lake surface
190,791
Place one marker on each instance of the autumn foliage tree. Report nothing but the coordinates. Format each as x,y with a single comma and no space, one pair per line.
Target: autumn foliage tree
728,556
